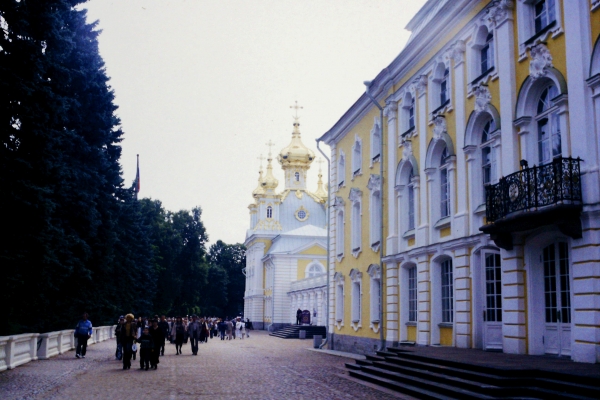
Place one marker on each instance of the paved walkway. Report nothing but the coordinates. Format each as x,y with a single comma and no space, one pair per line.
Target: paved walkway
261,367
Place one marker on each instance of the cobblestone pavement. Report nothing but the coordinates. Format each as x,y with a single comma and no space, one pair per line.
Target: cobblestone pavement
259,367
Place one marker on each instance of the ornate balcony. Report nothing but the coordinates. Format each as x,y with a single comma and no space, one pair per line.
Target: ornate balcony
533,197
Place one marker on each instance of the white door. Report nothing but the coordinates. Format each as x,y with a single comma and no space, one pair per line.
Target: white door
557,298
492,311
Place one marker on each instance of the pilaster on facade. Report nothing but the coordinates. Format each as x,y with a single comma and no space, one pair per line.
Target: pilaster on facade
463,298
392,302
514,313
423,301
391,113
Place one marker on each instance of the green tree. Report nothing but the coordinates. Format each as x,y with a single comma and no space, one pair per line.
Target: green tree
232,259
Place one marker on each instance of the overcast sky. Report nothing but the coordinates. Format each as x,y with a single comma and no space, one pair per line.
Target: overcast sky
203,85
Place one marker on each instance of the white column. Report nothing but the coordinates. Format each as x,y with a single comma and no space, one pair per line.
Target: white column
507,77
460,223
391,112
423,300
422,228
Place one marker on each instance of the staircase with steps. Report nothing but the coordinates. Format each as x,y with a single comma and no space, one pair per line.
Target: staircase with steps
293,331
433,378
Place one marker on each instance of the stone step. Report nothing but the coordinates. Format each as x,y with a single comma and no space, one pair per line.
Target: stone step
419,388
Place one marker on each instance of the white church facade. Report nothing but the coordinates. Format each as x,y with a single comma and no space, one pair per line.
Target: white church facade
286,243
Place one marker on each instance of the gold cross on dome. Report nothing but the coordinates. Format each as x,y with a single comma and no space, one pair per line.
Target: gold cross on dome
320,161
261,158
296,107
270,144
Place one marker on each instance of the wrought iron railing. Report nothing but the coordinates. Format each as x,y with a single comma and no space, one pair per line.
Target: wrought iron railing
558,182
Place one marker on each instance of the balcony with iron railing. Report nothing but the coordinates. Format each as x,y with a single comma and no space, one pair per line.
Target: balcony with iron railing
533,197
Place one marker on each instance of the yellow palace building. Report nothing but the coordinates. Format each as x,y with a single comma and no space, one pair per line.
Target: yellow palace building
480,179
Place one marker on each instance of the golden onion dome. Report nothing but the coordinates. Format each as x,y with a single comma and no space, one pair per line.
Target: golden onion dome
296,154
269,182
259,189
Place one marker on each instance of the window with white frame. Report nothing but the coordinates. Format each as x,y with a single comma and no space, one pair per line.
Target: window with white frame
374,187
297,176
375,142
440,93
357,157
447,291
341,169
410,209
339,298
375,293
339,237
269,212
356,221
356,294
412,294
544,14
444,185
536,20
488,158
548,122
408,114
444,88
486,54
314,269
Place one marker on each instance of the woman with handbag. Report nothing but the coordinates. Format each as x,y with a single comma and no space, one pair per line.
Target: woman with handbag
178,332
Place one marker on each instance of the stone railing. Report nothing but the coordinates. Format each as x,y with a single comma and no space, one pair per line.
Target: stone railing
309,283
17,350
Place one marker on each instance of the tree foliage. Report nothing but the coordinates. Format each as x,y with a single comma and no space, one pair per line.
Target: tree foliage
74,237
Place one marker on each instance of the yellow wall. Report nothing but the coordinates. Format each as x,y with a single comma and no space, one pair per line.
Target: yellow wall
301,267
595,17
316,250
446,336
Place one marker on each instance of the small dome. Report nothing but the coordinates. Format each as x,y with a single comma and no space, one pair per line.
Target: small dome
259,189
296,154
269,182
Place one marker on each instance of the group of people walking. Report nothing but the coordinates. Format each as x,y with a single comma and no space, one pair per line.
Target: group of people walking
151,335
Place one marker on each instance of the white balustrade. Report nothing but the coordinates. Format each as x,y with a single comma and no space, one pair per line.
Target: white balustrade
17,350
309,283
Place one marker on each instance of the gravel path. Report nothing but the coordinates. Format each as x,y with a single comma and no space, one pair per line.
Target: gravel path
260,367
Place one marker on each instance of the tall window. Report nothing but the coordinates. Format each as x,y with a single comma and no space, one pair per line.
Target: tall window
444,95
339,237
412,294
493,288
447,292
411,114
487,54
488,160
375,218
356,303
549,144
544,14
410,210
297,176
356,227
269,212
444,185
339,302
375,143
356,158
375,292
341,170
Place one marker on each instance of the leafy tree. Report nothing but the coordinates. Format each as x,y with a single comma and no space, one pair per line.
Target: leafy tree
232,258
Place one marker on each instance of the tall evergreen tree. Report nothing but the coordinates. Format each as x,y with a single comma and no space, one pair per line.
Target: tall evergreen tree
232,259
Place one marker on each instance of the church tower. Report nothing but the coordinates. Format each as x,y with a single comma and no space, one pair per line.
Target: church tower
295,159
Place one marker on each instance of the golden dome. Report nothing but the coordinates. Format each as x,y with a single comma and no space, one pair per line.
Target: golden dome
269,182
259,189
296,154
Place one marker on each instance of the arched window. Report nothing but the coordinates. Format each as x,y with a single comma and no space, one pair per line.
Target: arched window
269,212
356,296
375,142
549,144
444,185
410,210
488,158
375,293
356,221
314,269
440,93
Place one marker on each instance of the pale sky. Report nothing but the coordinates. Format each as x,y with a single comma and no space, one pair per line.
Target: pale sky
203,85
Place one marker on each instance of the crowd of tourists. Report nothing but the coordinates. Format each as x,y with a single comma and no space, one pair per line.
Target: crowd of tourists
149,335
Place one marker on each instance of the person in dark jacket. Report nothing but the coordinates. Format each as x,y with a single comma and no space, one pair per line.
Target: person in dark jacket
128,335
222,328
119,351
164,327
178,332
146,348
159,341
298,316
194,334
